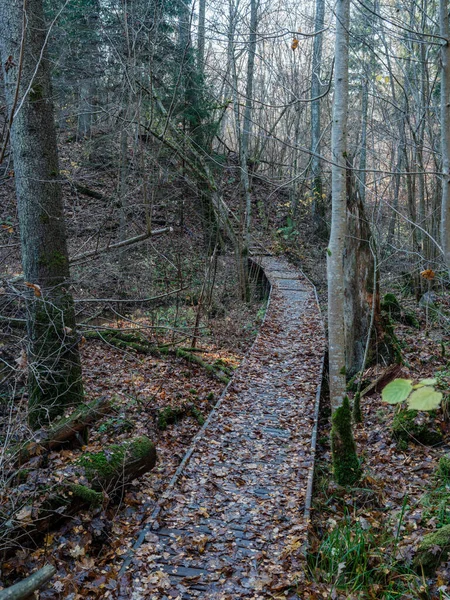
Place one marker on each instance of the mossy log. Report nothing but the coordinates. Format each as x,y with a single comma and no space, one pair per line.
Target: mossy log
64,501
138,343
26,588
433,549
105,472
118,464
64,430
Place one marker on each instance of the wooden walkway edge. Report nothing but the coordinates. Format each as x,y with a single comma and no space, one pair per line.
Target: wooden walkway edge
233,521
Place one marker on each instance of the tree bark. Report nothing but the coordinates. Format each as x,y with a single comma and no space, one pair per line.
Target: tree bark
317,206
54,374
335,262
201,36
445,129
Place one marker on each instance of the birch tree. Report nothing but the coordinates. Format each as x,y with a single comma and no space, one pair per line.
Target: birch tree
316,132
335,262
54,371
345,462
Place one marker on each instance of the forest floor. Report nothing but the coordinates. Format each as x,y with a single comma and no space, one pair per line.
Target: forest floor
362,540
234,524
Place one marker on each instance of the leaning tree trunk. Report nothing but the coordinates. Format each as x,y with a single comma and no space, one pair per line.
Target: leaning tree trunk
445,130
54,371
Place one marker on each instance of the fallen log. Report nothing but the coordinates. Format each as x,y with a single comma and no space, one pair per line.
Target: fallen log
138,343
118,464
63,431
26,587
103,475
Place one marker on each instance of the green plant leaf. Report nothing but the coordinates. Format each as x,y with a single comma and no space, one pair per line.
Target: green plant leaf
397,391
428,381
426,398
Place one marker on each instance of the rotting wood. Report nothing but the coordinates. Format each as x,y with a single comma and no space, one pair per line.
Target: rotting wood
386,376
128,242
106,472
63,431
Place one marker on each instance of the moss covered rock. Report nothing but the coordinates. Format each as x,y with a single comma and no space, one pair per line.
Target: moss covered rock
346,466
415,426
432,550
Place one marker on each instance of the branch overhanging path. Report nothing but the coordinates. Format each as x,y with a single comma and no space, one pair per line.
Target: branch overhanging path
233,523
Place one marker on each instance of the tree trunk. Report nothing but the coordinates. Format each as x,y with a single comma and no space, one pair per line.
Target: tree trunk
54,373
335,262
445,130
363,316
363,155
201,37
318,205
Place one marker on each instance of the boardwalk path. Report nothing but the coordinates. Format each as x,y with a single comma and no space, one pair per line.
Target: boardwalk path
233,525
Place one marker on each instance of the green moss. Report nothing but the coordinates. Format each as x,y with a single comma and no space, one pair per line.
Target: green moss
169,416
36,92
44,218
433,549
391,306
409,425
102,465
346,467
140,447
197,416
86,495
391,342
108,463
357,415
443,469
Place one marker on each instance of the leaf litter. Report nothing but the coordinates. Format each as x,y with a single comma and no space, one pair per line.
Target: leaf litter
234,525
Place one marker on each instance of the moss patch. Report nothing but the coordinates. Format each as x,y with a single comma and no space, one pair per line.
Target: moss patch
410,425
391,306
346,467
443,469
86,495
433,549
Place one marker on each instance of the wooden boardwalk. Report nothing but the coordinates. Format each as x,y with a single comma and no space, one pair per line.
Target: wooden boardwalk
233,523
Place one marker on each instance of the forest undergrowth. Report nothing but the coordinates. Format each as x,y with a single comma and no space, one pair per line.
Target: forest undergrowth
364,539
